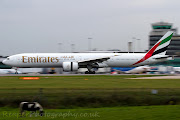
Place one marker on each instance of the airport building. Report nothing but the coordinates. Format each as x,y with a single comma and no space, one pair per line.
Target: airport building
158,30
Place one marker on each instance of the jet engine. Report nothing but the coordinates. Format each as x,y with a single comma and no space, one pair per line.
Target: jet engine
99,65
70,66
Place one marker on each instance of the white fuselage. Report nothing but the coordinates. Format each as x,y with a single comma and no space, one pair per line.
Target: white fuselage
36,60
139,69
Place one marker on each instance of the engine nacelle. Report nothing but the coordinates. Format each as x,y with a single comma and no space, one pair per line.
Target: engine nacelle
99,65
70,66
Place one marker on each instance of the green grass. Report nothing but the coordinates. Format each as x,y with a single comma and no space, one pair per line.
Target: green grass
89,91
114,113
88,82
92,97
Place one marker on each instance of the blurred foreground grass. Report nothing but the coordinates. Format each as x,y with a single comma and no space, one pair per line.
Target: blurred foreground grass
170,112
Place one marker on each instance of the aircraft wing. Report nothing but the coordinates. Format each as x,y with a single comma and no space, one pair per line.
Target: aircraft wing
95,60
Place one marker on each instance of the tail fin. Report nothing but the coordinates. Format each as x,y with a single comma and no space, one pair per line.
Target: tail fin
159,48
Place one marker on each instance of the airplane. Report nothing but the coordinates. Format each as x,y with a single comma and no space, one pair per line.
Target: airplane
9,71
176,69
132,70
74,61
140,69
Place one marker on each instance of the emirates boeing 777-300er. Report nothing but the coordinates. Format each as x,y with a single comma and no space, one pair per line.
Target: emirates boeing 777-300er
74,61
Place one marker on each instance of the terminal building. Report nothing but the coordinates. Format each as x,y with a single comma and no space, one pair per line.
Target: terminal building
158,30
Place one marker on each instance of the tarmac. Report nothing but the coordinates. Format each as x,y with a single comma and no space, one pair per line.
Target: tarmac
54,74
176,76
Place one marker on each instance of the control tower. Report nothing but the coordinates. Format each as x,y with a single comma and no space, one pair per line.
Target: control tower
158,30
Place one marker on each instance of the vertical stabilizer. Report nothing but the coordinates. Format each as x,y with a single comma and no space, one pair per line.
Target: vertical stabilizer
159,48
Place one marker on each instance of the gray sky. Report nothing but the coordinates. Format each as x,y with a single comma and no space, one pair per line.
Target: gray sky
39,25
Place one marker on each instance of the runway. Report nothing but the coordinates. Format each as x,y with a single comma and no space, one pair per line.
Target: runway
176,76
57,74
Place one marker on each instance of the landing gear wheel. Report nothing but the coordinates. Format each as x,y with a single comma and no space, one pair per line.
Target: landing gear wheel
16,72
93,72
86,72
90,72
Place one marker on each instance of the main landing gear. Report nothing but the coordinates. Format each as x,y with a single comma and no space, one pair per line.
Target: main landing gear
90,72
89,67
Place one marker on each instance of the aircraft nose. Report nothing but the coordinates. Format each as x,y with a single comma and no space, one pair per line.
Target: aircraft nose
4,61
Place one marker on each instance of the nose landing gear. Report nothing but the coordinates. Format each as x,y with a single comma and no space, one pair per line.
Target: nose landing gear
16,70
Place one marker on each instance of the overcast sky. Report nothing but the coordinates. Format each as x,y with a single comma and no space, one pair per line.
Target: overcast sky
39,25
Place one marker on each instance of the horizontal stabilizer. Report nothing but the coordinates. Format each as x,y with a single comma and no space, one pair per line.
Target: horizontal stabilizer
166,57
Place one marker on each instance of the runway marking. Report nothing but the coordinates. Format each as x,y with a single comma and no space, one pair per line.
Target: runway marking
30,78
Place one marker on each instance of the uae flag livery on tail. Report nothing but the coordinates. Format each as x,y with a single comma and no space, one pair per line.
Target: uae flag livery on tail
159,48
